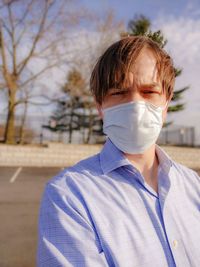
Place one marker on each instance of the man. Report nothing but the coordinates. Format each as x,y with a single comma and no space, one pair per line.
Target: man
131,204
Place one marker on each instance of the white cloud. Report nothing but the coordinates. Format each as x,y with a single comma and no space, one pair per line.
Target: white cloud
81,50
183,37
183,44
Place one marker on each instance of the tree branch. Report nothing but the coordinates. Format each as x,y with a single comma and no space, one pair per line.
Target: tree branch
56,16
39,73
26,101
12,38
37,36
3,55
7,29
50,45
10,34
2,86
26,12
21,20
20,36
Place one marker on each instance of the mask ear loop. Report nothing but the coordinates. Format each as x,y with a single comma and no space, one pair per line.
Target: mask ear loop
160,107
165,105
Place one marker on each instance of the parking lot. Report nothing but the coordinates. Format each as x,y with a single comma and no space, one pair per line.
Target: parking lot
20,194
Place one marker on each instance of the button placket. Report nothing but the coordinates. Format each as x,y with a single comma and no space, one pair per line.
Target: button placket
175,244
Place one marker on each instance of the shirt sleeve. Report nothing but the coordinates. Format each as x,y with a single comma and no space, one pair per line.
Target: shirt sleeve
65,236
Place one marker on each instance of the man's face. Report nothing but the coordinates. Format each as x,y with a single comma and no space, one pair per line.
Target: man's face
143,85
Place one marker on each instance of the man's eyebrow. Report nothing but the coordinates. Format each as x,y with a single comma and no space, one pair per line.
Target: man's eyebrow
118,89
155,86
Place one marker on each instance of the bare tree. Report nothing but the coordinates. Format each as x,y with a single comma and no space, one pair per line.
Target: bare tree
106,30
41,29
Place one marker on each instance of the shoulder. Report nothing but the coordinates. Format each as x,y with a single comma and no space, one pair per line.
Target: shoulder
74,188
186,173
74,177
185,170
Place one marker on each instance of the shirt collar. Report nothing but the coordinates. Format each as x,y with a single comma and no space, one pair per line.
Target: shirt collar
165,162
112,158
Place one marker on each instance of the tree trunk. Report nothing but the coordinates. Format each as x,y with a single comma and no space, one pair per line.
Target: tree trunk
9,135
70,124
21,131
90,130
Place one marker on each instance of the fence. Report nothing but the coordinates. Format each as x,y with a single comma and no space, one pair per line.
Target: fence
177,135
63,155
36,133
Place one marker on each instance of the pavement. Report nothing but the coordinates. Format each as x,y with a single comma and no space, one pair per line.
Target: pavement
20,194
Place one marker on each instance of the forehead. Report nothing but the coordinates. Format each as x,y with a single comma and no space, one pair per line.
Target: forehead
144,69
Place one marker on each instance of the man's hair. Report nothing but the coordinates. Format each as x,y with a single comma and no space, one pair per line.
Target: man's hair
112,68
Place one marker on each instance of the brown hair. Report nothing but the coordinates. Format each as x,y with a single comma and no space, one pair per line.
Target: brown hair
112,68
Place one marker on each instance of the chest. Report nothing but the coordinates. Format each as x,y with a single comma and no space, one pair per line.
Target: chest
139,229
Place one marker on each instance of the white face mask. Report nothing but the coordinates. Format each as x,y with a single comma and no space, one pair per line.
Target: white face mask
134,126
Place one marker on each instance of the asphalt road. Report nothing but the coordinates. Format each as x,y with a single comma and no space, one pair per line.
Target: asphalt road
20,194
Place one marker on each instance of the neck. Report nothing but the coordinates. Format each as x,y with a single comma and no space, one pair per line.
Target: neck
146,163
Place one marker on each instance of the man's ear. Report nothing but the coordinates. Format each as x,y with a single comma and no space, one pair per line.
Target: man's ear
99,109
165,111
169,100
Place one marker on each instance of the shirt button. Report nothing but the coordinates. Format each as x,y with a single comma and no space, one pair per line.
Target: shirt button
175,243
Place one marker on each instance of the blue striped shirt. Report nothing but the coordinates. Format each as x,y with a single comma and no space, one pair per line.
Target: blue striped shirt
101,212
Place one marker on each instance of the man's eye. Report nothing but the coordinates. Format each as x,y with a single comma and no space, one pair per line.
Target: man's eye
149,92
119,93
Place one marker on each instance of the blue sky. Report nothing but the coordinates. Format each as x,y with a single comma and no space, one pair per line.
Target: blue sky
179,20
126,9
